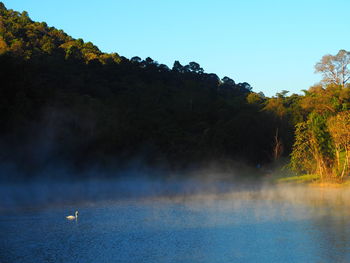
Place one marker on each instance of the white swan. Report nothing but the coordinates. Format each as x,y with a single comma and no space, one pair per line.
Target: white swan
73,217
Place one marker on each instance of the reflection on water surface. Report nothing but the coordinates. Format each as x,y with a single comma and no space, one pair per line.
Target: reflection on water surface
270,224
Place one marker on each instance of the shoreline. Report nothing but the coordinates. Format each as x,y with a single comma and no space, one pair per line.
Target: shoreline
312,180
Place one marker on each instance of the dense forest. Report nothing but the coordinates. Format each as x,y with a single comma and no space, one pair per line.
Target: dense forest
63,101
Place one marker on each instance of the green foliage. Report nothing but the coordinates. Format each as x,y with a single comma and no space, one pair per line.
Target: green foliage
79,105
27,39
255,98
302,157
313,150
326,100
85,106
319,142
3,46
339,127
321,137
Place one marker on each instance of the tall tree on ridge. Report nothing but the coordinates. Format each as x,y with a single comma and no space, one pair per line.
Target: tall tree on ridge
335,69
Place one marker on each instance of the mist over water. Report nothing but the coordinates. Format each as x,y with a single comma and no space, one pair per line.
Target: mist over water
201,218
61,187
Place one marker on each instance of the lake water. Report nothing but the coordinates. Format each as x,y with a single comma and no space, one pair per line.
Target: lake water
273,224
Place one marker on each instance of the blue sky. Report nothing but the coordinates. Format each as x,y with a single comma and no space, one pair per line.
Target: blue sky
271,44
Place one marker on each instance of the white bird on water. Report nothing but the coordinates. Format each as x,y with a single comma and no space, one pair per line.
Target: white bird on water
73,217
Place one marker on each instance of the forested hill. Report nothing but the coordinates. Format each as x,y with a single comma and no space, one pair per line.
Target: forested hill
62,100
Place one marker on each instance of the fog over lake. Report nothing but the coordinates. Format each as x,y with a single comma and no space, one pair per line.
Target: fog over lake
153,220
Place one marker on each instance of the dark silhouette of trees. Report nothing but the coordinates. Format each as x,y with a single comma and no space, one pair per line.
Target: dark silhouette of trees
63,100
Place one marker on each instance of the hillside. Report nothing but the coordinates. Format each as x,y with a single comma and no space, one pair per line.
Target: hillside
64,101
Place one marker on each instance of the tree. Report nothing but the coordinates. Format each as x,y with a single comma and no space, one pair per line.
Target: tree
277,147
2,6
3,46
244,87
228,81
73,53
329,99
177,67
47,45
313,148
282,94
339,128
149,62
136,60
255,98
195,68
321,143
276,106
104,108
302,156
335,69
17,47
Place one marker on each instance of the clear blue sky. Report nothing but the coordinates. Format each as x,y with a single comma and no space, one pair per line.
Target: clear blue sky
271,44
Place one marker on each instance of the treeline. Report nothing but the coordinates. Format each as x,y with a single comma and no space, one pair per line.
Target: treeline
62,100
322,140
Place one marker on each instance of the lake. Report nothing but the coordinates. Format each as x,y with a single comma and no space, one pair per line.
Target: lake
258,224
